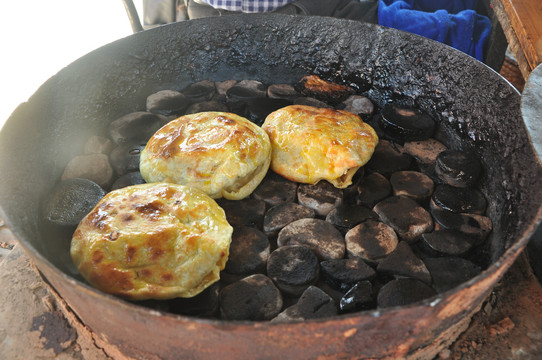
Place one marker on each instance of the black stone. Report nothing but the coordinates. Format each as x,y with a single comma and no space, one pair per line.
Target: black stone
70,201
459,200
413,184
322,197
458,168
135,127
371,240
372,189
447,242
205,304
318,235
125,158
342,274
402,262
282,91
252,298
449,272
131,178
358,298
293,268
345,217
238,96
406,124
274,190
357,104
257,110
200,91
313,304
326,91
167,103
476,227
308,101
425,152
405,216
387,159
245,212
204,106
249,250
401,292
278,216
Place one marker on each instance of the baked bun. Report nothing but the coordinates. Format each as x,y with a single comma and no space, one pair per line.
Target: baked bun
152,241
312,144
221,153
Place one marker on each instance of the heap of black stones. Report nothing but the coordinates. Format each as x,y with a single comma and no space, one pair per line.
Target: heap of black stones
412,224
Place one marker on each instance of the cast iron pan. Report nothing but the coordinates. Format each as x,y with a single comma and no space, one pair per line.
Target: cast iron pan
476,108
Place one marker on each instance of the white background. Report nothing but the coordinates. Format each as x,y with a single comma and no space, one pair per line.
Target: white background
40,37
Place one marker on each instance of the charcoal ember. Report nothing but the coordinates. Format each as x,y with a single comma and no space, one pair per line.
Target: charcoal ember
135,127
476,227
318,235
222,87
406,124
402,262
401,292
257,110
282,91
309,101
458,168
322,197
451,271
249,250
293,268
372,189
350,193
200,91
446,242
205,304
245,212
345,217
371,240
413,184
70,201
94,167
129,179
405,216
204,106
274,190
359,297
387,159
278,216
125,158
458,200
167,103
326,91
357,104
313,304
425,152
238,96
98,145
252,298
342,274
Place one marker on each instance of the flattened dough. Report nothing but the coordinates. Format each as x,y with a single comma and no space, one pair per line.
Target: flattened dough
312,144
221,153
152,241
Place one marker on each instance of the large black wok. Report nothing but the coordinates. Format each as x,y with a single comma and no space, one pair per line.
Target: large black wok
476,108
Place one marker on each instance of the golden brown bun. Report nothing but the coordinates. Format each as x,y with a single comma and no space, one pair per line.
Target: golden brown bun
221,153
152,241
312,144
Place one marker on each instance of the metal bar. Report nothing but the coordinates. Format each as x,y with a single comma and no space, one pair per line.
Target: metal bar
132,15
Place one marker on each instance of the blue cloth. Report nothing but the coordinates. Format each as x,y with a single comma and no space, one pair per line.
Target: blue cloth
452,22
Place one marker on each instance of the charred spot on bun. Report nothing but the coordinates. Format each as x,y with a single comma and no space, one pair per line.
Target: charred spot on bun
152,241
